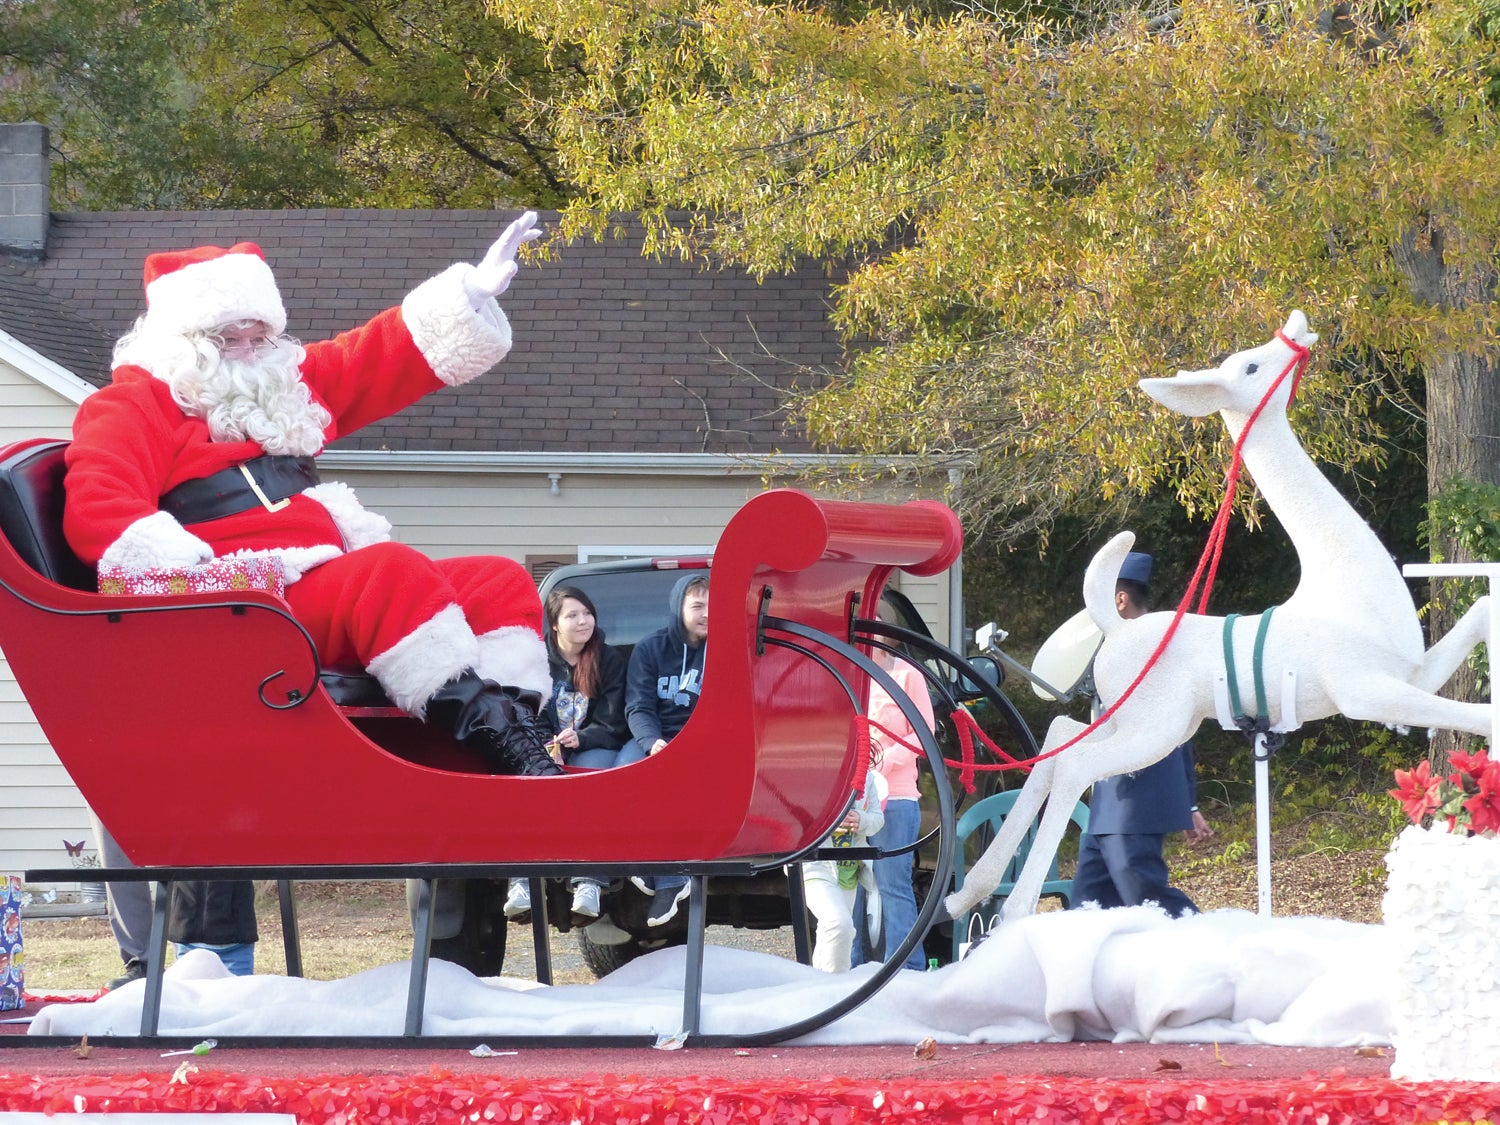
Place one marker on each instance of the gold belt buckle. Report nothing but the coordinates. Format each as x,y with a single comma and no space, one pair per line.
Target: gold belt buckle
265,501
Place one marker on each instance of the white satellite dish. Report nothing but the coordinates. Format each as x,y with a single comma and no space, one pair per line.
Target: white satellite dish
1064,657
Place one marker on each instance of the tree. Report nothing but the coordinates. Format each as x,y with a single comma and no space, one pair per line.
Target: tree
1034,217
287,103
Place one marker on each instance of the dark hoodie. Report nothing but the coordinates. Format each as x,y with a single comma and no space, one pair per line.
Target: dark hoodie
665,677
217,912
603,726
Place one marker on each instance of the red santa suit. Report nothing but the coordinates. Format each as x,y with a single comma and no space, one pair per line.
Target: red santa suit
412,621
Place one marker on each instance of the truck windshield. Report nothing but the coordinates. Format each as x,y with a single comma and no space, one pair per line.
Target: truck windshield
631,603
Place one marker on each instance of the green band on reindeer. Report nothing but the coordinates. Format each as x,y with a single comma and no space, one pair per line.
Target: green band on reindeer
1257,664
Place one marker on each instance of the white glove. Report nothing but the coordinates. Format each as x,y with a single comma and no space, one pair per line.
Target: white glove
492,276
156,540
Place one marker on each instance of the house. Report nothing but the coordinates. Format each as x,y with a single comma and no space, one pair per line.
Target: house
639,409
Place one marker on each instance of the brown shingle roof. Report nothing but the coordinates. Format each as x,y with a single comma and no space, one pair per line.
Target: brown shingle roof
50,328
613,352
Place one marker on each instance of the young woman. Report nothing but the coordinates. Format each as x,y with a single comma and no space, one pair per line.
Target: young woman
585,714
587,710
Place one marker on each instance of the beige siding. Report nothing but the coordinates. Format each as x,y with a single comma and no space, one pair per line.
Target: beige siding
930,596
516,514
30,409
39,805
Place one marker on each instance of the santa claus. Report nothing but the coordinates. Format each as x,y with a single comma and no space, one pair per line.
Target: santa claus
203,447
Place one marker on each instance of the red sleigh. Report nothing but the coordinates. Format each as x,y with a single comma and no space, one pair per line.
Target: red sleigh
197,728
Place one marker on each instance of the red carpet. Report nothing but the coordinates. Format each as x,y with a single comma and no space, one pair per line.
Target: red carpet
1030,1082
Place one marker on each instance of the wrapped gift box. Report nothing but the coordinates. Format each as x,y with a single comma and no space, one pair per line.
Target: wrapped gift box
231,575
12,964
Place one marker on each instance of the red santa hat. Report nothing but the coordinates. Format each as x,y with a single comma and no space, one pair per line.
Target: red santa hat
203,288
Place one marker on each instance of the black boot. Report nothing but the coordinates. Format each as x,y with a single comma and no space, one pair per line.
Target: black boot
496,722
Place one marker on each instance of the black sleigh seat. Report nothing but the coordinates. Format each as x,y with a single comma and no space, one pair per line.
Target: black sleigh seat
31,518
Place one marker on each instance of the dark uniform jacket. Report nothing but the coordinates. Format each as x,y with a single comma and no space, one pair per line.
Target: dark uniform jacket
1154,801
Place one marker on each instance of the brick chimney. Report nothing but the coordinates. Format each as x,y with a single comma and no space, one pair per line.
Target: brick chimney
24,190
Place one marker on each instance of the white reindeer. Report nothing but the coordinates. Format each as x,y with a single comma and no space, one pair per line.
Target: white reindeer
1349,632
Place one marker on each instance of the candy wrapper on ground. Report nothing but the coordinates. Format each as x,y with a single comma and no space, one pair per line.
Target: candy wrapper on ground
12,978
221,575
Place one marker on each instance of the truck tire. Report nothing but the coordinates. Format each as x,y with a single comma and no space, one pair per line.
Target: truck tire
605,959
479,944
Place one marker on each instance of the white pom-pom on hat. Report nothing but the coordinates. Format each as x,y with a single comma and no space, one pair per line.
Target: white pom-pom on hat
206,287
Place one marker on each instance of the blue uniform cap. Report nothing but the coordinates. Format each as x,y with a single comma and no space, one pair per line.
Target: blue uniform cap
1136,568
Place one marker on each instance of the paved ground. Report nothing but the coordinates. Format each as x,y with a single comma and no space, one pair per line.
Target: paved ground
1100,1060
1086,1060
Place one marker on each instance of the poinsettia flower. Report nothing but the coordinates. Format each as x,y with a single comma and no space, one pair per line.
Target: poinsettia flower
1468,765
1417,790
1484,806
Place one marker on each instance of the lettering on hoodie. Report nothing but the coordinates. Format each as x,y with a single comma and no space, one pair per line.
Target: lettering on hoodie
681,688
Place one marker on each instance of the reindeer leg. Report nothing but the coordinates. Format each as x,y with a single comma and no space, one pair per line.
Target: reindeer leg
1067,786
988,869
1442,659
1385,699
1117,746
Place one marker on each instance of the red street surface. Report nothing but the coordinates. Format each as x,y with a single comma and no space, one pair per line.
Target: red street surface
966,1062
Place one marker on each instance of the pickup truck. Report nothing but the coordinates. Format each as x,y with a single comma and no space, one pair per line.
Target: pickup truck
631,597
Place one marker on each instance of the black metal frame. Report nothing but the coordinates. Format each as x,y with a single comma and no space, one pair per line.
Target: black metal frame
870,632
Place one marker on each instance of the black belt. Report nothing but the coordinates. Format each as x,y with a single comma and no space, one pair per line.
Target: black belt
266,481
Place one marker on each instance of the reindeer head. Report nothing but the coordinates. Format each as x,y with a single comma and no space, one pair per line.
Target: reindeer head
1239,383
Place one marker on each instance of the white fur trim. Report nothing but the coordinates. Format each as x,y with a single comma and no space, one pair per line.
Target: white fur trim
426,659
460,342
359,526
515,657
295,561
205,295
157,540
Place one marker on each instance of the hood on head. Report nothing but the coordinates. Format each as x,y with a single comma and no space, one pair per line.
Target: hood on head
674,604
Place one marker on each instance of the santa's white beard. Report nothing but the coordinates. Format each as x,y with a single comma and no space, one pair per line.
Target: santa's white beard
262,400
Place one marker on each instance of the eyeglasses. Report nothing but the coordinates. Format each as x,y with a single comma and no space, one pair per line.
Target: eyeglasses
236,342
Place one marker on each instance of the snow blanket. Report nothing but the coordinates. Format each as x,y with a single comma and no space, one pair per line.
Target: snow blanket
1125,975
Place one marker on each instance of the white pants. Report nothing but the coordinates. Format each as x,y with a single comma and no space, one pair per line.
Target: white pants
833,907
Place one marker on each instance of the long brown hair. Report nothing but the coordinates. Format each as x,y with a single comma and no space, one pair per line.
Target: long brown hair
586,672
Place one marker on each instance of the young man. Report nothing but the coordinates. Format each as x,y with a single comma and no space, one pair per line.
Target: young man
203,447
662,685
1120,859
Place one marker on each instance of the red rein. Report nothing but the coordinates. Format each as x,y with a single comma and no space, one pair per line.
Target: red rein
1208,561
